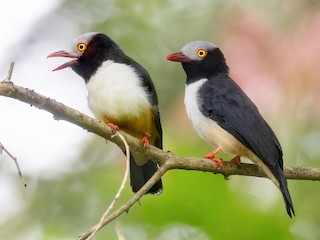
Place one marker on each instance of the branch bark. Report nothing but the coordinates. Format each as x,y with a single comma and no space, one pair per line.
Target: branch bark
167,160
3,149
62,112
101,223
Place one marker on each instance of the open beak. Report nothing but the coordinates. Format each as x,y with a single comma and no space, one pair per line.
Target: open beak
178,57
63,54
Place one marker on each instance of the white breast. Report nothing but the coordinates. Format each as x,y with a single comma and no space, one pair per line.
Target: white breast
208,129
116,90
212,133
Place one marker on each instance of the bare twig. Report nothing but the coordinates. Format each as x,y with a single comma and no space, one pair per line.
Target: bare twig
125,177
62,112
119,231
125,208
3,149
9,74
167,160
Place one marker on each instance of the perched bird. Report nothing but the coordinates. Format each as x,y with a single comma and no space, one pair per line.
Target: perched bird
223,115
120,94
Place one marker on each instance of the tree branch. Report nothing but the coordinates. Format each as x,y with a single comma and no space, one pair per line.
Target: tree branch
166,160
100,224
3,149
9,74
62,112
125,208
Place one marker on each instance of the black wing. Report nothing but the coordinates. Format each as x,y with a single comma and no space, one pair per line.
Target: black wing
224,102
141,174
153,98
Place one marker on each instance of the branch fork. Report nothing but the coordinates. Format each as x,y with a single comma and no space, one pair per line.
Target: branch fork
166,160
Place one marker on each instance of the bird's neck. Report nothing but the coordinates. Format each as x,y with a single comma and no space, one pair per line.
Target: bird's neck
88,65
213,64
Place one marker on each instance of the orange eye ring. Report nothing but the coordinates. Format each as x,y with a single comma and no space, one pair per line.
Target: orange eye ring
202,53
82,47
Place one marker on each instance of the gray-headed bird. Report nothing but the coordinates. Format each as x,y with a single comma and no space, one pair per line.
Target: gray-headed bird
224,116
120,94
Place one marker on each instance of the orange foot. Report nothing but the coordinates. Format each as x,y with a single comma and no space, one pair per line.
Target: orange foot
216,160
236,160
145,141
113,127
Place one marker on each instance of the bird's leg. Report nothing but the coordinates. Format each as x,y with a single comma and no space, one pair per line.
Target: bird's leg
211,156
145,141
213,153
113,127
236,160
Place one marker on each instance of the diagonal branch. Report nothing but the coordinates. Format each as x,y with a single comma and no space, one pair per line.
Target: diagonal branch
166,160
100,224
62,112
3,149
125,208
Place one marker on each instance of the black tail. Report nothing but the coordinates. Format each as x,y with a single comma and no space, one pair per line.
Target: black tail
285,193
139,175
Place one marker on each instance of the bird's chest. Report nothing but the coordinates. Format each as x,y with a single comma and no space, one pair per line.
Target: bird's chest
115,92
208,130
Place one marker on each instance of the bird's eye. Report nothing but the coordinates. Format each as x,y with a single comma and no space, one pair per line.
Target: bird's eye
82,47
202,53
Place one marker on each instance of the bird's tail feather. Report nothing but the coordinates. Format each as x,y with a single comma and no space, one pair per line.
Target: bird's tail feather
139,175
285,193
278,178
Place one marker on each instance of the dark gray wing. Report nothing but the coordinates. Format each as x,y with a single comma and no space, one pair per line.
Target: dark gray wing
153,98
223,101
141,174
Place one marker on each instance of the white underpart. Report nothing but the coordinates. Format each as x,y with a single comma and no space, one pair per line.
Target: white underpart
207,129
115,89
212,133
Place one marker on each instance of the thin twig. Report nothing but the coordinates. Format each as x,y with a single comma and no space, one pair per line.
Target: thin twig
125,177
3,149
9,74
135,198
119,231
62,112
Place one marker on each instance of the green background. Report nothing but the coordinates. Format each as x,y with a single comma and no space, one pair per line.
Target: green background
266,38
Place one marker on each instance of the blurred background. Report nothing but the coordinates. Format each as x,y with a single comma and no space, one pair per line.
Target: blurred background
273,51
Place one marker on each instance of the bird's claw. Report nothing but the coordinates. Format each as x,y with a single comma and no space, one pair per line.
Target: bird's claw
212,157
113,127
145,142
218,161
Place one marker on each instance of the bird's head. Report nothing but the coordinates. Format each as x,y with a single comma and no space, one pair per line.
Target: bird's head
88,52
92,46
200,59
192,51
79,46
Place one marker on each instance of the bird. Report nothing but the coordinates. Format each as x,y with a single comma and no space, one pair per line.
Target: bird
121,95
224,116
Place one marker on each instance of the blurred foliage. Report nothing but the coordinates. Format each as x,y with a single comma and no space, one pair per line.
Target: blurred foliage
261,36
